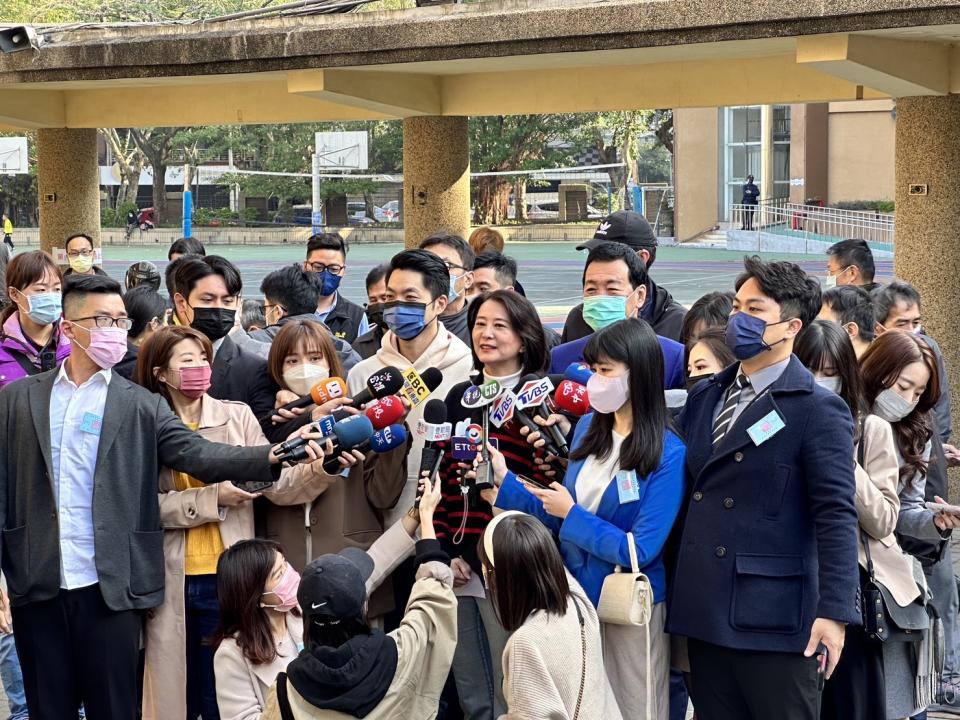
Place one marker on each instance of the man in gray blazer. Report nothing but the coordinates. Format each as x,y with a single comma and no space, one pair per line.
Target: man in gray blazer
82,545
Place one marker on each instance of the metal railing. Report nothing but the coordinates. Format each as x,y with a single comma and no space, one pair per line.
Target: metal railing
813,222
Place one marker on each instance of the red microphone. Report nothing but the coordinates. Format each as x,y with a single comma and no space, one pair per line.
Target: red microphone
572,398
385,412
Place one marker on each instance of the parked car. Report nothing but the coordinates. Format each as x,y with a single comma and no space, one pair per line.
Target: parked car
357,213
390,212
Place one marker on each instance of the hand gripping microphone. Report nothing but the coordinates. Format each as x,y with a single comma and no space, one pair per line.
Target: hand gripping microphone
347,433
572,398
385,411
324,426
435,428
534,391
381,441
386,381
323,392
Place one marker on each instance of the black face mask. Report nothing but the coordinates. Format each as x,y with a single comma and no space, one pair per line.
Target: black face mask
694,379
375,316
215,323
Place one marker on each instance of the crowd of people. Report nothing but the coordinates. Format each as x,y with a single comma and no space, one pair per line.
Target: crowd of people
280,503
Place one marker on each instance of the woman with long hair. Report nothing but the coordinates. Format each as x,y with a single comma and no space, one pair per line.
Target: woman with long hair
553,661
30,338
200,521
901,386
857,690
508,345
625,478
706,355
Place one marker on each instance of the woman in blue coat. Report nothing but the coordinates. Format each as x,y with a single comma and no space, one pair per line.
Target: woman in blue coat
625,476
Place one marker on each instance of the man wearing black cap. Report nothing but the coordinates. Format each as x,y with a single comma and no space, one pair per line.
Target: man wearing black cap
348,667
660,309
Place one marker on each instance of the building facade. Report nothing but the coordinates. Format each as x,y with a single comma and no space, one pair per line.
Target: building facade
838,152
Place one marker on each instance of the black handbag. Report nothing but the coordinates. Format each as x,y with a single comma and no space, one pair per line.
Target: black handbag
883,618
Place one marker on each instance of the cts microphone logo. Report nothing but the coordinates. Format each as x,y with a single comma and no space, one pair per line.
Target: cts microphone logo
534,392
490,390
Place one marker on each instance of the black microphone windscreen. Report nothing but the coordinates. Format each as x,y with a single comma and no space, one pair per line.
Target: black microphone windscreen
387,381
432,378
435,411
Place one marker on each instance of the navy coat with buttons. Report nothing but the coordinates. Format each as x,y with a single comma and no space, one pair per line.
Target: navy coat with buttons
768,542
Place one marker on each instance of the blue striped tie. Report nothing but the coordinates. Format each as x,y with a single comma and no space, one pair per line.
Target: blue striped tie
725,418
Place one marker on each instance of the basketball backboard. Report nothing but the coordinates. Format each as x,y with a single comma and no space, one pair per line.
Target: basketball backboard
342,150
13,156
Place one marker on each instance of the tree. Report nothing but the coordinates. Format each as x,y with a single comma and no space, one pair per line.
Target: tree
156,144
129,158
500,143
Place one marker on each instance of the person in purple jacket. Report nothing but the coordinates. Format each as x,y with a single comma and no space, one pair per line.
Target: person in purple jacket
30,339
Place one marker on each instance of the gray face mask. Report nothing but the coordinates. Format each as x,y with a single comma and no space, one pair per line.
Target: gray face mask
830,383
891,407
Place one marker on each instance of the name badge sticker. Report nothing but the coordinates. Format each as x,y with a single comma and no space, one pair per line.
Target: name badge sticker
628,489
765,428
91,423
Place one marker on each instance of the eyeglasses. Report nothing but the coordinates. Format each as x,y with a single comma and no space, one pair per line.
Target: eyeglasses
80,253
105,321
453,266
319,267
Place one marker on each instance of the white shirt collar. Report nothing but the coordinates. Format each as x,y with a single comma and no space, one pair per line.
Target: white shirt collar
63,377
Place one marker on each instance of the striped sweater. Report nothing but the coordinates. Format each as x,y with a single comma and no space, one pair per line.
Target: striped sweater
450,513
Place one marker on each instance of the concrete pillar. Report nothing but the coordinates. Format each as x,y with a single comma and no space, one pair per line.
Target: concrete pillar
436,177
698,175
928,225
809,126
69,185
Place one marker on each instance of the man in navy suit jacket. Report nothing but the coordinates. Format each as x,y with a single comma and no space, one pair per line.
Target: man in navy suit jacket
766,573
614,288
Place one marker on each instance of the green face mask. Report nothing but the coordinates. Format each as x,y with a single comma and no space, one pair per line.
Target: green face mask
599,311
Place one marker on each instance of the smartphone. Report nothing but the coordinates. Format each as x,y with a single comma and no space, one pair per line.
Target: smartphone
253,486
531,481
938,508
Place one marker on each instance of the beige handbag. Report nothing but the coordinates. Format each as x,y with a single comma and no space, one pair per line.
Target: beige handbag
626,598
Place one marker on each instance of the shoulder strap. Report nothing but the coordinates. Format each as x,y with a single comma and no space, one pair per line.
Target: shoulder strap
283,702
23,361
864,538
632,549
861,449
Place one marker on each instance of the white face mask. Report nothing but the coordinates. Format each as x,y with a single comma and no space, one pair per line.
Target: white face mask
830,383
303,377
890,406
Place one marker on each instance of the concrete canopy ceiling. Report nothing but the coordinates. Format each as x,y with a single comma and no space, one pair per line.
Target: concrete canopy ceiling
495,57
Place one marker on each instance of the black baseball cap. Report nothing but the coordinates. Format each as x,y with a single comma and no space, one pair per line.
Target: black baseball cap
623,226
335,586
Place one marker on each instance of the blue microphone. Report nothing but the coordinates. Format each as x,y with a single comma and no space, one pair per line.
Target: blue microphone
578,373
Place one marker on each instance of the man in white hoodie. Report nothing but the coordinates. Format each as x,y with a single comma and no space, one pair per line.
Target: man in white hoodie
417,286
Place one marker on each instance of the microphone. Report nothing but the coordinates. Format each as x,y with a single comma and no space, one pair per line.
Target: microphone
386,381
324,426
417,387
323,392
481,395
385,411
533,393
572,398
384,440
578,373
435,428
347,434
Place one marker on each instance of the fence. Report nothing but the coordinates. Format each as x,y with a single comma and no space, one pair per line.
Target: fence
810,222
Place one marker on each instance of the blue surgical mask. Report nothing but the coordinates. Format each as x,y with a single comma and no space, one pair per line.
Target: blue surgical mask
745,335
329,283
452,293
44,308
405,319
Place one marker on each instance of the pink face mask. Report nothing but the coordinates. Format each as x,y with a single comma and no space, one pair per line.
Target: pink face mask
608,394
194,381
285,591
107,345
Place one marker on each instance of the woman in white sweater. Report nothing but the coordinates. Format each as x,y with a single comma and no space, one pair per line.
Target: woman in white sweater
553,662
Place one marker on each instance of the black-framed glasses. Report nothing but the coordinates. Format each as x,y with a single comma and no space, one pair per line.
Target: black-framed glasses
105,321
80,253
319,267
453,266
